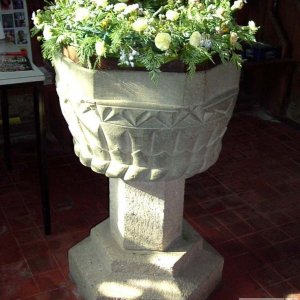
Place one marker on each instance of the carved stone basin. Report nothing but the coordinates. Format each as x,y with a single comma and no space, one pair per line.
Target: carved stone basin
128,127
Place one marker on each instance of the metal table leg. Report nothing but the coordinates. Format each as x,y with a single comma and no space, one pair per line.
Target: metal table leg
39,112
5,124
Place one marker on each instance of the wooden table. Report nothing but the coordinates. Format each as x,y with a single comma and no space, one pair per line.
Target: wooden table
32,79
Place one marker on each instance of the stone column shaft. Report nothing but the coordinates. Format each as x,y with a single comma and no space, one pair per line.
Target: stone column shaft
146,215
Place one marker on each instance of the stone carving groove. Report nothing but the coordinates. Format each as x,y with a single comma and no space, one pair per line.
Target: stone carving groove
142,140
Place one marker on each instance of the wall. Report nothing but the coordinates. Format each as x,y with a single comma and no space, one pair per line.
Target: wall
275,85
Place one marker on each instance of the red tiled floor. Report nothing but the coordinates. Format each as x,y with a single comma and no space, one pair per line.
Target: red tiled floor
274,235
61,293
291,229
17,281
246,205
34,249
240,228
265,276
227,217
50,280
10,255
288,268
30,235
295,282
281,290
42,263
254,241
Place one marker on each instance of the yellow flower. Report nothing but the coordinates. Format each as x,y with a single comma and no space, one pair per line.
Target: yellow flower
104,23
195,39
140,24
100,48
225,28
233,38
162,41
172,15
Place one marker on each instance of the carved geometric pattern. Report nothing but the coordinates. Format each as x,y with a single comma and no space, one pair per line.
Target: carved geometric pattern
179,118
147,144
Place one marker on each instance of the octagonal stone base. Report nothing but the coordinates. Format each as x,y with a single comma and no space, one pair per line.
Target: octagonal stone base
188,269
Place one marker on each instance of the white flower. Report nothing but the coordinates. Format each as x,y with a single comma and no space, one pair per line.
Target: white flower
61,38
109,7
172,15
219,13
252,26
233,38
119,7
36,20
238,4
100,48
140,24
47,32
195,39
162,41
101,3
120,17
81,14
130,8
192,2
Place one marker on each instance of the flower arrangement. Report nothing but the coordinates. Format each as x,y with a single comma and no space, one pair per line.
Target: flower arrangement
145,33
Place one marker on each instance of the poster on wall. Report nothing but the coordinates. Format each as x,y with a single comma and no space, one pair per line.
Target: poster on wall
14,19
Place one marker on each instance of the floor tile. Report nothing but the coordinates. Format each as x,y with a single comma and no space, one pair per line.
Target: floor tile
16,271
240,228
291,229
227,217
254,241
30,235
10,255
50,280
231,249
281,290
62,293
295,282
42,263
265,276
259,223
274,235
19,289
288,268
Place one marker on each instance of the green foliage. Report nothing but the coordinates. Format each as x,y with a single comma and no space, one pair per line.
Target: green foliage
147,33
192,56
152,61
86,51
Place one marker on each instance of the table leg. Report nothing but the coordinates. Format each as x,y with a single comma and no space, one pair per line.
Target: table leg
5,124
39,112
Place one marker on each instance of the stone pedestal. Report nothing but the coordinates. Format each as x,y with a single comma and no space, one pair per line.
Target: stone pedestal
149,135
143,251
